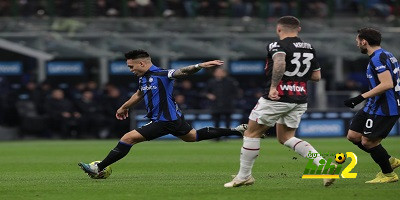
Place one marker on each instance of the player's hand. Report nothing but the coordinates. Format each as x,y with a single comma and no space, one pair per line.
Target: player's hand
211,96
122,113
352,102
213,63
273,94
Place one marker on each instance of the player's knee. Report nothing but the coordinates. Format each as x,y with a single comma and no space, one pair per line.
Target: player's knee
369,143
190,137
252,134
353,138
132,137
366,144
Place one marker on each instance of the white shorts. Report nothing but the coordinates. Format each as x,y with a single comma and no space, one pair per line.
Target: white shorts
269,112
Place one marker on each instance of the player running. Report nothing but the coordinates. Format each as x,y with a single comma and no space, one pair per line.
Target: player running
373,123
156,88
291,62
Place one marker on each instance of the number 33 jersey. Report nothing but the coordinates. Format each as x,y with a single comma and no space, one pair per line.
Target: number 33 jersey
301,62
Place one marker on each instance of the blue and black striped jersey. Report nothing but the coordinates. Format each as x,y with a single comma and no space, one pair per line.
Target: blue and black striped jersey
388,103
157,86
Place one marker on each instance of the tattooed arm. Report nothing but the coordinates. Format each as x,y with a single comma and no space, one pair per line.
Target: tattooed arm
278,70
191,69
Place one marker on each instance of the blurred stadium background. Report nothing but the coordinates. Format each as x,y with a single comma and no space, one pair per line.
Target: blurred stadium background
67,56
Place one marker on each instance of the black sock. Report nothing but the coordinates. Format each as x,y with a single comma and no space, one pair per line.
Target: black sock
361,146
117,153
381,157
210,133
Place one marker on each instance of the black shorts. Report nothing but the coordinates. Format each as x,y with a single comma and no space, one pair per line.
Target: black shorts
154,130
372,126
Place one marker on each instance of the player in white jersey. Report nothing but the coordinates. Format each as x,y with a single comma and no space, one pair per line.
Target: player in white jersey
290,64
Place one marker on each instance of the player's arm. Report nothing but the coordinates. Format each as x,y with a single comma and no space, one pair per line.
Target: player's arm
278,70
386,83
191,69
316,76
123,112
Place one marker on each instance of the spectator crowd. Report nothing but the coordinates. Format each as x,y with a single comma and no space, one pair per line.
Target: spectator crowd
85,110
193,8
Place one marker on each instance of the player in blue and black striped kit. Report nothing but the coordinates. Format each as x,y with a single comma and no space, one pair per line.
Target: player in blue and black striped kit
156,89
373,123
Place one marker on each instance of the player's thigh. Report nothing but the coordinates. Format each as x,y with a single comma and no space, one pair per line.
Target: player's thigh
357,125
292,117
267,112
152,130
370,142
284,133
182,129
378,127
255,130
132,137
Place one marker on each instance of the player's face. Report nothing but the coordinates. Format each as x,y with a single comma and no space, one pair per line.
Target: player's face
136,66
362,45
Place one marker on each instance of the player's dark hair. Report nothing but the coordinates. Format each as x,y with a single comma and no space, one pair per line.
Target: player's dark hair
135,54
372,36
289,21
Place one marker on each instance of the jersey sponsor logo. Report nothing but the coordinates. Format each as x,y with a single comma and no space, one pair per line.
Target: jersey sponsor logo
150,87
273,45
380,67
302,45
293,88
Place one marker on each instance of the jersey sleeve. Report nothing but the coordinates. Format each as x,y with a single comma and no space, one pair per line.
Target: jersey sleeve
170,73
166,73
379,63
274,48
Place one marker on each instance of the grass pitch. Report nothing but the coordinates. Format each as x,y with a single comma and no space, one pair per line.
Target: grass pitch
178,170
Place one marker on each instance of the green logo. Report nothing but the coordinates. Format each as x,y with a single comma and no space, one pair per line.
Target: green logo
328,169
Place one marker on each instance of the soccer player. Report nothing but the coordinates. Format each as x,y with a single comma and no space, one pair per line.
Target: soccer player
156,87
373,123
291,62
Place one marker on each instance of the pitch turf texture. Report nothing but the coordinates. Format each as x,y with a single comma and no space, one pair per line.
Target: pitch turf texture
179,170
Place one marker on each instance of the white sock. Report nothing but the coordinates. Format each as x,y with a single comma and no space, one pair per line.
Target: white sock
304,149
248,154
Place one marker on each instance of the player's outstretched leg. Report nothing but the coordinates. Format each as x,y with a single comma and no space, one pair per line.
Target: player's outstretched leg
91,169
211,133
121,150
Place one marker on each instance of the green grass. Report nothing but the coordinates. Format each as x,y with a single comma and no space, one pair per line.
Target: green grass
178,170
